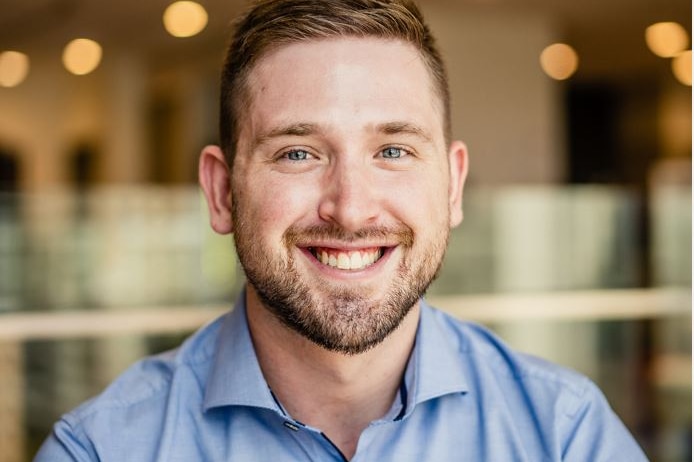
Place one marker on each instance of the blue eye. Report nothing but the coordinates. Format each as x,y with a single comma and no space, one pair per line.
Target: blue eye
297,154
392,153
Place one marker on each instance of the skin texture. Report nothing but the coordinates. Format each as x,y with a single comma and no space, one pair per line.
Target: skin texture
340,154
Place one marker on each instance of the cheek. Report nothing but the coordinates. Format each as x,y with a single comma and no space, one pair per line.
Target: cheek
424,199
271,203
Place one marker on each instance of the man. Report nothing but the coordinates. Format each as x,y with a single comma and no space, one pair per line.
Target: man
338,179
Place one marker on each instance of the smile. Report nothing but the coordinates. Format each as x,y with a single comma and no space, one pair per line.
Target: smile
347,259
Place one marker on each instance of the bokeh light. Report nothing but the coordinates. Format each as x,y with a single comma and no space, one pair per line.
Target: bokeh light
682,67
184,19
666,39
81,56
14,67
559,61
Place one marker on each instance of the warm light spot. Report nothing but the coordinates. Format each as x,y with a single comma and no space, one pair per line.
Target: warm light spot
82,56
682,67
185,18
666,39
14,67
559,61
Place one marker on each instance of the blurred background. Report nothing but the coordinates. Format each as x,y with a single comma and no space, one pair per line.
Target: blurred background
576,244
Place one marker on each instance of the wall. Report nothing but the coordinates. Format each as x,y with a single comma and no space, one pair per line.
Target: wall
503,106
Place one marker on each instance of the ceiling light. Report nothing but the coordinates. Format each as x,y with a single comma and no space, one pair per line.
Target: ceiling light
666,39
559,61
81,56
184,18
14,67
682,67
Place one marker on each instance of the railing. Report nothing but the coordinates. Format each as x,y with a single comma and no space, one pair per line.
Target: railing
596,305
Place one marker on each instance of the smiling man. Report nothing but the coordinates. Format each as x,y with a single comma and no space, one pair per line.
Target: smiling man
338,179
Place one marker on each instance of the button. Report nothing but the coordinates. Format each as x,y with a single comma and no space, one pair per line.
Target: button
291,425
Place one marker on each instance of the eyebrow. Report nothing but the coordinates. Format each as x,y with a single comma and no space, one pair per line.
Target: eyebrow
295,129
306,129
406,128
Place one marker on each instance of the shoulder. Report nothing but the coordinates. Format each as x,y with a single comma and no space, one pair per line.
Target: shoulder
488,360
139,398
547,401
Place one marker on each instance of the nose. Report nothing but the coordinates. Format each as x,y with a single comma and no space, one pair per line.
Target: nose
348,197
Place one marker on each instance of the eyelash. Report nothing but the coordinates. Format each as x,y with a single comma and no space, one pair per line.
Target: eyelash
285,155
402,151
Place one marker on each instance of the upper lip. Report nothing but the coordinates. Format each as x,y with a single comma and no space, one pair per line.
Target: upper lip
347,246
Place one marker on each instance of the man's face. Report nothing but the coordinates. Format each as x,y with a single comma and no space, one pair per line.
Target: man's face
343,192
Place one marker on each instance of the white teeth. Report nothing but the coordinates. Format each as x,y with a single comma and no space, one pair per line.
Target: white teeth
343,261
355,260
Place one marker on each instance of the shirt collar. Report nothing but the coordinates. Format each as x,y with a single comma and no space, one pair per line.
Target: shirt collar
235,377
434,368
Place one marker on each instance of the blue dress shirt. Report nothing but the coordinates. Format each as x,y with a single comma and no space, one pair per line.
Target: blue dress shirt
465,396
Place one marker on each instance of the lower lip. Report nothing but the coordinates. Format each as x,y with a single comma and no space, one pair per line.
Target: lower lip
332,271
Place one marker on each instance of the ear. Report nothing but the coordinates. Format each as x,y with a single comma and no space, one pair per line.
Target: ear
458,165
215,178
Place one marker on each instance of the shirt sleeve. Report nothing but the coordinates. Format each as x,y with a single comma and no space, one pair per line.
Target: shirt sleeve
595,433
64,445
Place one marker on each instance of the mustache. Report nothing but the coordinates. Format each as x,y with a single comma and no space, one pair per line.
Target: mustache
301,236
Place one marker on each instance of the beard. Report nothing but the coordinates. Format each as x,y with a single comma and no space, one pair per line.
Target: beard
342,318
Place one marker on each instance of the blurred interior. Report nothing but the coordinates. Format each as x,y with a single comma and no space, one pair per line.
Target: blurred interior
578,187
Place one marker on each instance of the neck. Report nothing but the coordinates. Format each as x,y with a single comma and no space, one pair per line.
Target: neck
339,394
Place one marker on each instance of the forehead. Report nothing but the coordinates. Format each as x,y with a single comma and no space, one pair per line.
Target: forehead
369,79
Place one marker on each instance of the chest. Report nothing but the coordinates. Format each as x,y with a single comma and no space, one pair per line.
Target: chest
445,429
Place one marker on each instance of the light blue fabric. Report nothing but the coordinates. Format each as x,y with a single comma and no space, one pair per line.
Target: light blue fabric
467,397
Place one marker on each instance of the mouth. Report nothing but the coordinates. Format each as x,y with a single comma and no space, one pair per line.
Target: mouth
350,260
